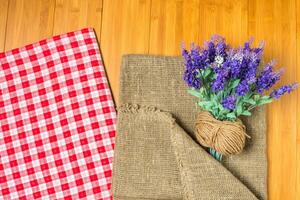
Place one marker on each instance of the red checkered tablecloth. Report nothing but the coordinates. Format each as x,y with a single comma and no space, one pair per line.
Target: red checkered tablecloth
57,120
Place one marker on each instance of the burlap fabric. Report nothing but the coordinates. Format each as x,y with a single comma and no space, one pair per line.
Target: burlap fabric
156,156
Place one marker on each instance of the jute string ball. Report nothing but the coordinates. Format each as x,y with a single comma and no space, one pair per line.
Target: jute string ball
226,137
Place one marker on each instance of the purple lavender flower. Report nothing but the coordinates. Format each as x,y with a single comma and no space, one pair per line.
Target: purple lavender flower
218,84
267,78
255,57
247,44
188,60
260,48
218,67
190,77
195,60
243,88
235,68
235,59
252,63
276,94
229,102
199,59
222,77
221,46
243,62
250,74
195,54
211,51
216,46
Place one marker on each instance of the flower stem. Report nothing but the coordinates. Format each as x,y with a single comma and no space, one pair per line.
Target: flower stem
204,83
215,154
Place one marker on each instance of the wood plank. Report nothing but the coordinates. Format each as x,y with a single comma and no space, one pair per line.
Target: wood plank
3,18
139,26
228,18
73,15
28,21
173,22
297,69
125,30
275,22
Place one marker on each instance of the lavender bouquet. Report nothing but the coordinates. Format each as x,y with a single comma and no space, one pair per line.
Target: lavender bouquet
229,83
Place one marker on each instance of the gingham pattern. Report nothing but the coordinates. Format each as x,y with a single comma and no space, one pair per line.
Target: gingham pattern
57,120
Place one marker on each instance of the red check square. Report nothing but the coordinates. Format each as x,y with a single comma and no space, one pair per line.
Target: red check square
57,120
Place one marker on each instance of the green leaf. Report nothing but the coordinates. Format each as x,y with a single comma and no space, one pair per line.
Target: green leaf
234,84
246,113
265,97
231,115
207,72
264,100
202,103
250,101
239,109
256,97
195,93
247,96
223,111
221,107
205,104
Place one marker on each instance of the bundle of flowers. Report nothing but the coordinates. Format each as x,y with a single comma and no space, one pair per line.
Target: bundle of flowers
229,83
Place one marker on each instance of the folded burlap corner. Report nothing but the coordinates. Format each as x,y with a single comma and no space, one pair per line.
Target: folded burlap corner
156,156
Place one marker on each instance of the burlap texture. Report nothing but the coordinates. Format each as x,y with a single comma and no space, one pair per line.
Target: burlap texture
156,156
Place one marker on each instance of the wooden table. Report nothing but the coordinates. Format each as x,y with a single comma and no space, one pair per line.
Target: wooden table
159,26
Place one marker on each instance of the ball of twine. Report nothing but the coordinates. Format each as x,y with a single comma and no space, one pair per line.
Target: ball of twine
226,137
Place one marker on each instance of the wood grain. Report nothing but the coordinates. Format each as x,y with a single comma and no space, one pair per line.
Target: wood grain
125,30
171,25
28,21
3,18
297,70
159,26
72,15
228,18
275,22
